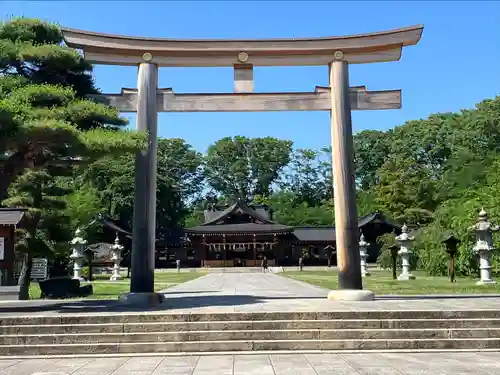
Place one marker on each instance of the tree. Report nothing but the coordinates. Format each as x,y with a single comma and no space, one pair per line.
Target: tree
179,181
37,191
240,167
371,149
309,177
45,120
439,173
44,116
287,211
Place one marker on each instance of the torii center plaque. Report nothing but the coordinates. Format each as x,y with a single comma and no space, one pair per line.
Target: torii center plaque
147,100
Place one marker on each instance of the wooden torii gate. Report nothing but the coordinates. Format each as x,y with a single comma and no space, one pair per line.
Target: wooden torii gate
147,100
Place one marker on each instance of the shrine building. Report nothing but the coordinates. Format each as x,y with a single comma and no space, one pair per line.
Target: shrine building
241,235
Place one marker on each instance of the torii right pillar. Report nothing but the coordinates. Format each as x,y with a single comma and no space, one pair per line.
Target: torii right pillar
350,286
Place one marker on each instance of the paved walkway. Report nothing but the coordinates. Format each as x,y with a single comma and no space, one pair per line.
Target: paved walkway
252,292
248,292
281,364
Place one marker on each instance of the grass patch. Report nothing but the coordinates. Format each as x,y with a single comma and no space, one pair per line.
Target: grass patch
105,289
380,282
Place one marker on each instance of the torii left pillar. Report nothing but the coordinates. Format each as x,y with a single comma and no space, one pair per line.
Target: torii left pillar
344,192
144,219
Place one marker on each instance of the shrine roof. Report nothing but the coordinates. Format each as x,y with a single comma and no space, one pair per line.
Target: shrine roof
315,234
11,216
241,228
301,233
376,217
214,215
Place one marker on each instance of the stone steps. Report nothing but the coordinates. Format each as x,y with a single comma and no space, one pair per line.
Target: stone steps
248,345
340,324
248,335
151,317
249,332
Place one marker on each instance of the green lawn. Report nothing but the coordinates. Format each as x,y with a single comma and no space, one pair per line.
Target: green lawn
105,289
380,282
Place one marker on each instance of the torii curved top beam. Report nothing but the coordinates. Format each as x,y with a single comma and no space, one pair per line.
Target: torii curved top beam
356,49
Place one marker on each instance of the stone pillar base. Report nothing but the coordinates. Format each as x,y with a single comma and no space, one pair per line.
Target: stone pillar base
351,295
142,299
486,282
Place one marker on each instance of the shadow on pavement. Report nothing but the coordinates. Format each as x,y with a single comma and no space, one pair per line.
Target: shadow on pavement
178,301
100,306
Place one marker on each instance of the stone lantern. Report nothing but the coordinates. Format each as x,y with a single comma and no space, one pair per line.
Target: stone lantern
451,243
116,249
484,230
405,241
363,254
78,246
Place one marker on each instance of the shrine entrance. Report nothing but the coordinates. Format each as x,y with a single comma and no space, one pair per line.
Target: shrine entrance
339,98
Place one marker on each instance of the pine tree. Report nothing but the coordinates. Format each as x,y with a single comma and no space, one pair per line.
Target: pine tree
37,190
44,114
45,121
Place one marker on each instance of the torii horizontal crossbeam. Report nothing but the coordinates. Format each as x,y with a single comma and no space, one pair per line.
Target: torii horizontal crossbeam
168,101
111,49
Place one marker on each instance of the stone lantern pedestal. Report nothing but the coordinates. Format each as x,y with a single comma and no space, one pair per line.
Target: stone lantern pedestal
78,246
405,241
484,230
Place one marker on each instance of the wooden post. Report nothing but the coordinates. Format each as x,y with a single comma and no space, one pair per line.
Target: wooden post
452,267
224,255
346,217
243,78
254,250
144,219
394,256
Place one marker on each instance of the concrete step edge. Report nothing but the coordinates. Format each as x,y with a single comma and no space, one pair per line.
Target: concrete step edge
144,343
270,313
360,330
286,321
242,352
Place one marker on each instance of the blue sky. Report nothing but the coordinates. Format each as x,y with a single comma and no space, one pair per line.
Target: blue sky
455,65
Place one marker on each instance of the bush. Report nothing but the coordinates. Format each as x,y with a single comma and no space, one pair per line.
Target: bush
85,272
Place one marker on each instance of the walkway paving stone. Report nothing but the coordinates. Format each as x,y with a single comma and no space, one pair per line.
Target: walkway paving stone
282,364
251,292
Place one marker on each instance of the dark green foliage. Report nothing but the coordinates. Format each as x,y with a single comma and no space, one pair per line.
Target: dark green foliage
45,119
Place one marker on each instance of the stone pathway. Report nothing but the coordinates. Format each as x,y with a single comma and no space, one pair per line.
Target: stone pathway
279,364
251,292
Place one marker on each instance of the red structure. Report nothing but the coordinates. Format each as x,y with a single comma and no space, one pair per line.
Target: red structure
10,218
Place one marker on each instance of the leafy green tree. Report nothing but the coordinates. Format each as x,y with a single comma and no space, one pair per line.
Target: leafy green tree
309,176
179,181
44,221
240,167
287,211
371,149
45,122
439,173
44,116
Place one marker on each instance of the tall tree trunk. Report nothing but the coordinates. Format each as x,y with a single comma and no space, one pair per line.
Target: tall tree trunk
25,276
